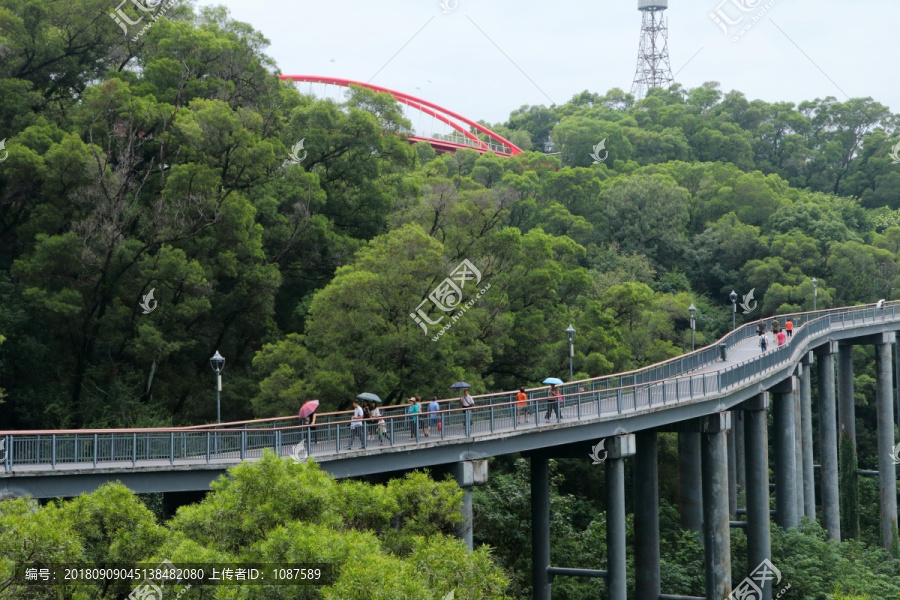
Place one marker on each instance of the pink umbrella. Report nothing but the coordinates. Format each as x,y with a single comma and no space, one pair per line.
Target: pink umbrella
308,408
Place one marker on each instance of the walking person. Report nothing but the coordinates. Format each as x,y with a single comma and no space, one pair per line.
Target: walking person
782,338
763,342
356,426
367,417
413,410
521,406
380,425
776,326
434,419
468,403
761,327
554,400
789,327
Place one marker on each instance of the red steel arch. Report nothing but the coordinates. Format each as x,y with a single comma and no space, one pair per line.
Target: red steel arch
454,120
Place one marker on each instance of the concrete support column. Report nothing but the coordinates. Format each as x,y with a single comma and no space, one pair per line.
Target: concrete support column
616,579
784,445
846,403
739,449
540,527
690,496
887,469
731,455
806,436
469,473
759,543
646,517
798,452
828,443
716,518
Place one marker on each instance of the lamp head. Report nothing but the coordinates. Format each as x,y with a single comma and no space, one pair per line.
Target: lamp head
217,362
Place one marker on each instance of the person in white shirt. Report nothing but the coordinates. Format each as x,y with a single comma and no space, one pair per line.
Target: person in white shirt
356,425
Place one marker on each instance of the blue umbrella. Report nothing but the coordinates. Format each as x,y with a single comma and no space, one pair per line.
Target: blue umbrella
459,385
553,381
368,396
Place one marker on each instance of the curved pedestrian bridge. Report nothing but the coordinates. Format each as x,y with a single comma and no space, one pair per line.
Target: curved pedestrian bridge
53,463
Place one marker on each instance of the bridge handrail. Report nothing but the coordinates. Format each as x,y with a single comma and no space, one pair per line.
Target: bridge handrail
62,446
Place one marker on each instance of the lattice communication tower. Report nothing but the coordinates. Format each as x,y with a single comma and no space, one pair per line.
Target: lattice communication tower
653,66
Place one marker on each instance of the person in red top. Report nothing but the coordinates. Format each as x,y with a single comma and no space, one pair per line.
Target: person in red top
789,327
521,399
782,338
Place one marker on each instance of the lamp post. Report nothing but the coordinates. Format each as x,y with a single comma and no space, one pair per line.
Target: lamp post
815,283
692,310
570,332
733,296
217,362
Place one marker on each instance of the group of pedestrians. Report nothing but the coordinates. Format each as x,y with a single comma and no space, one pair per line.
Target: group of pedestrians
365,413
781,335
431,420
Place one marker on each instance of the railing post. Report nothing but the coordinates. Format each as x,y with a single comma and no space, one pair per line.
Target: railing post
38,450
53,451
112,447
277,442
172,448
95,450
77,456
492,417
243,442
619,400
207,446
134,450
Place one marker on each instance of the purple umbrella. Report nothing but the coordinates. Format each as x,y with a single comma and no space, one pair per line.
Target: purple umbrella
308,408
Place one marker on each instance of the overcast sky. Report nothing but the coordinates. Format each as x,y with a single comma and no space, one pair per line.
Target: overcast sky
485,58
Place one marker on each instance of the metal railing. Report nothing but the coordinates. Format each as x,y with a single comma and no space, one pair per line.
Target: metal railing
674,381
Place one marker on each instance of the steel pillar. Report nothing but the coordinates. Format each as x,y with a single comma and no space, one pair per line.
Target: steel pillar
828,443
617,578
690,495
759,543
806,437
846,402
731,454
540,527
469,473
646,517
886,467
784,445
716,518
739,449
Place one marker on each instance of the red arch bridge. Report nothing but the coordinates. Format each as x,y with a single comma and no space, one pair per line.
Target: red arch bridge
459,130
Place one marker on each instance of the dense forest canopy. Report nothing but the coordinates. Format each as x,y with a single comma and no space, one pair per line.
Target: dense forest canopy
162,164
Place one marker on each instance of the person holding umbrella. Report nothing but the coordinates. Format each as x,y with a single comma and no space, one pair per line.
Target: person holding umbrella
554,400
308,412
466,401
368,402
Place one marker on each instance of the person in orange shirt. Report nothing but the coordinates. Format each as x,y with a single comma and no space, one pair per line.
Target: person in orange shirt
789,327
521,405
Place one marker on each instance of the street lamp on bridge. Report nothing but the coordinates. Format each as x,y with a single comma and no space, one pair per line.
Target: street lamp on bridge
815,283
692,310
733,296
570,332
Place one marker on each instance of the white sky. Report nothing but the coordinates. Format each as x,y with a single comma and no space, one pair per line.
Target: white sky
566,46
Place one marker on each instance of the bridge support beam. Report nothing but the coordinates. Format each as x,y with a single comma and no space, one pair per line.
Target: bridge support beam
540,527
798,448
759,542
784,445
690,496
828,442
846,403
888,475
716,518
646,517
806,434
739,449
469,473
618,449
